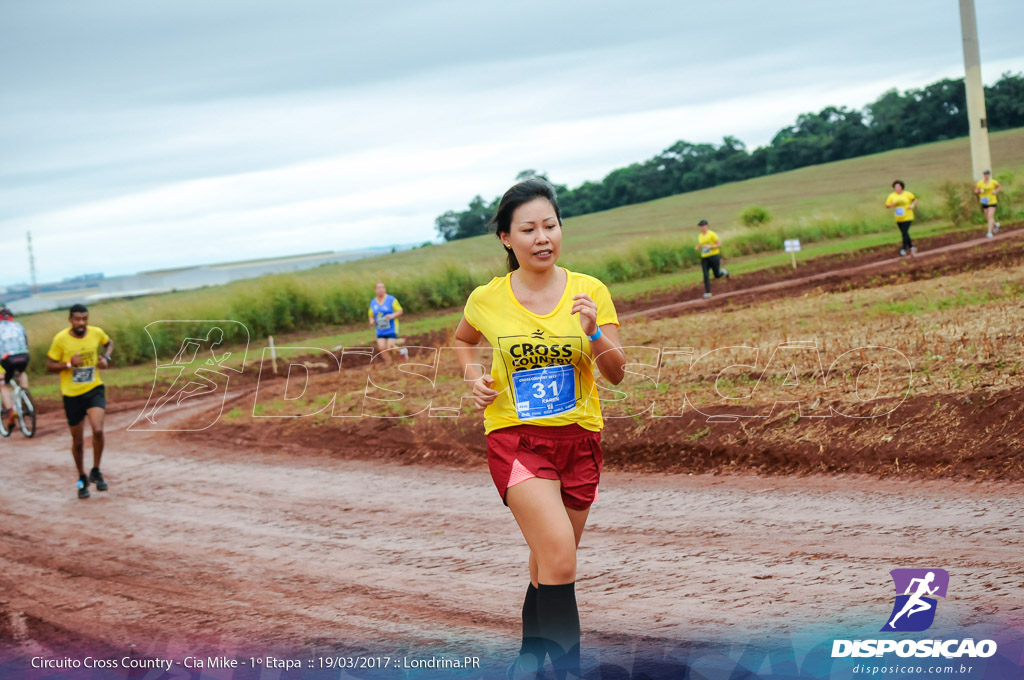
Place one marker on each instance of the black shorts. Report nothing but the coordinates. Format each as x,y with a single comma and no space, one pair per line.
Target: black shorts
75,407
990,205
14,364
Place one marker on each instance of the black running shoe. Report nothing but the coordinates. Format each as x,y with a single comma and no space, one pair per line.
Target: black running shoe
96,477
83,487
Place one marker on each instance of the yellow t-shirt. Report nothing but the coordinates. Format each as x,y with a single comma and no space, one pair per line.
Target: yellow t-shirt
542,366
80,379
705,241
988,190
900,203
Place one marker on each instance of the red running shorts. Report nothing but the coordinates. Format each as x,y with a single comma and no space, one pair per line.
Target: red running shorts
568,453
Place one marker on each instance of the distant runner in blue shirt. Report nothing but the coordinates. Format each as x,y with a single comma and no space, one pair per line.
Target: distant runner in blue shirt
384,313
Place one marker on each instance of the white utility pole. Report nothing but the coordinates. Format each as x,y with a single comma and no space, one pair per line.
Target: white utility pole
32,264
981,159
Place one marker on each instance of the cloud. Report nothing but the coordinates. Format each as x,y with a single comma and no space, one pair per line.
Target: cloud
257,128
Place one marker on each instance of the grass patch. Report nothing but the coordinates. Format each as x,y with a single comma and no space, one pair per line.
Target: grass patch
838,205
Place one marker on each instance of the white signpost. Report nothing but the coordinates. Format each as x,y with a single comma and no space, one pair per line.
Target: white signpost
792,247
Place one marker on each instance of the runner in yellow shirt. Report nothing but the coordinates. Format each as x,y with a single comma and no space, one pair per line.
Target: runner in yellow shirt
550,329
75,354
902,203
710,248
986,189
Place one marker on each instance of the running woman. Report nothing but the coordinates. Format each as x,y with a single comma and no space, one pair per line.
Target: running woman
902,203
710,248
548,328
986,189
13,361
384,312
75,354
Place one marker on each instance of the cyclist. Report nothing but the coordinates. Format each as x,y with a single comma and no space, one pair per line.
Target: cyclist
75,354
13,361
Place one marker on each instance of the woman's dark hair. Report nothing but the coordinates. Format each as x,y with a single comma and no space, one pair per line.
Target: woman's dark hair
900,182
521,194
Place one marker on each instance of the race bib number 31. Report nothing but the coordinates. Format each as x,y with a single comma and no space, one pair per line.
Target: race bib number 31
84,374
544,392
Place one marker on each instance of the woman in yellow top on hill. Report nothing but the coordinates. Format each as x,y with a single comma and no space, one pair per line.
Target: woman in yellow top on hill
549,329
902,204
710,248
986,189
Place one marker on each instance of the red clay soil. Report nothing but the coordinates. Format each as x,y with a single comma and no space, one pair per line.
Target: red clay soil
974,435
209,546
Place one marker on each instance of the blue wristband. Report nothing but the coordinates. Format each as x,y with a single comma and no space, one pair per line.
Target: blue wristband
595,336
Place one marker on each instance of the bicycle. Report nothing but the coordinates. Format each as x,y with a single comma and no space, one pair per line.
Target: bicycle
24,409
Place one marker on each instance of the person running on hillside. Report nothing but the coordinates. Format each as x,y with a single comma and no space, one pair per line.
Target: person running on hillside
75,354
986,190
384,313
549,328
710,248
13,361
902,203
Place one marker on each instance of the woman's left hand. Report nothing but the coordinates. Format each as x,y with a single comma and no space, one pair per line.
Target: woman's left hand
587,310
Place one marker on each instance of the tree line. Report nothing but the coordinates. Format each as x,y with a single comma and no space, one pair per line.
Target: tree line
894,120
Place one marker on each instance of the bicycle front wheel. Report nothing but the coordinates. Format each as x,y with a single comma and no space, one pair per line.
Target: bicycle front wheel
27,416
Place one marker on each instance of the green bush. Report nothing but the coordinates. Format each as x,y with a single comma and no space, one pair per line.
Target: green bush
755,216
959,202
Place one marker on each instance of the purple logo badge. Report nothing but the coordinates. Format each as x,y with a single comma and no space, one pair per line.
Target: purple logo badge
914,609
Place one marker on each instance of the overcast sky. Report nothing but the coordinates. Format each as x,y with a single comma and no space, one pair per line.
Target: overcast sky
141,135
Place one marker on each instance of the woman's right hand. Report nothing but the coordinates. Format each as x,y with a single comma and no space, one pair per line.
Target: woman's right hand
483,395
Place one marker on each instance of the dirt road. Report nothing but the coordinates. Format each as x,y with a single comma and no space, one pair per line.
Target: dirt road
199,547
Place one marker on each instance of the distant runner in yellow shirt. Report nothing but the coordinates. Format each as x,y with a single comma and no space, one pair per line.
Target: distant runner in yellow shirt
710,247
902,203
986,189
75,354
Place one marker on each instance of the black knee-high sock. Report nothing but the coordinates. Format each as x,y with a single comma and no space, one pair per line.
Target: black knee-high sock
560,626
532,651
